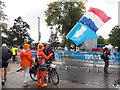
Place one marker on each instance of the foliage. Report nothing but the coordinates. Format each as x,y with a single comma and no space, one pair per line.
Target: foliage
63,16
100,40
18,33
3,25
53,40
114,36
2,14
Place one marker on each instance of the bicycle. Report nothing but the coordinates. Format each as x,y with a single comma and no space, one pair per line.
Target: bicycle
52,72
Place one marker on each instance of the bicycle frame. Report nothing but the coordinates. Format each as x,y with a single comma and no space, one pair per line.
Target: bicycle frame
50,68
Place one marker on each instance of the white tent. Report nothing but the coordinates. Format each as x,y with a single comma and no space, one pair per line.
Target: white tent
109,46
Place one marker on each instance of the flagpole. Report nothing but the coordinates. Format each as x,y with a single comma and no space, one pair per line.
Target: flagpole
38,29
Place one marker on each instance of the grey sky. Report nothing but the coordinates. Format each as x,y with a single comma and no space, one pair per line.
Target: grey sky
29,10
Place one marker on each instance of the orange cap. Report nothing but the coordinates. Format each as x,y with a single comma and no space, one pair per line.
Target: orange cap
25,46
40,47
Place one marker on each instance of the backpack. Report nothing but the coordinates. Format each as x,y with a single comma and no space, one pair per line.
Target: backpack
102,56
6,54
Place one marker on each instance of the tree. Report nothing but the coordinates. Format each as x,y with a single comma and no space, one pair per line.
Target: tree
2,14
100,40
3,25
53,40
63,16
18,33
114,36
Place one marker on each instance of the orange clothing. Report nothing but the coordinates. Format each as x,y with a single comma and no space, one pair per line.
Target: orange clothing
41,53
41,60
26,58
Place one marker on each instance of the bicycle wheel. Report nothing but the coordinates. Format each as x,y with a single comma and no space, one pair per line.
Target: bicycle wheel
33,74
54,76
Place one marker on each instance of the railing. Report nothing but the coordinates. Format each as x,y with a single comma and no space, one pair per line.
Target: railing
88,59
114,57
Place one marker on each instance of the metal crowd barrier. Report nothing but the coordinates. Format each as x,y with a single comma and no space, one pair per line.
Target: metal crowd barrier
115,57
70,57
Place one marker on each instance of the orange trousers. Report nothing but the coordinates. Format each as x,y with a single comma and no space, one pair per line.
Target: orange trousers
40,76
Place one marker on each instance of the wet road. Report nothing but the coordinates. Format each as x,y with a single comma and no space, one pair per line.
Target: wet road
80,75
70,77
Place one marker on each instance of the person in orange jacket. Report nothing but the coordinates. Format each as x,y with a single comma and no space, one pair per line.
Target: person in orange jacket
26,62
41,60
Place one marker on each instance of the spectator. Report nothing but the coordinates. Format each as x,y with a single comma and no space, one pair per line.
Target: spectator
14,53
106,52
41,60
47,50
6,55
26,62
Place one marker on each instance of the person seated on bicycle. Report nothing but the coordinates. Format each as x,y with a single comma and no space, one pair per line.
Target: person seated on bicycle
47,50
41,60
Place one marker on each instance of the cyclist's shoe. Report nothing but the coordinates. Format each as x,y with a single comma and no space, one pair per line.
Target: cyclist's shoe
45,85
38,85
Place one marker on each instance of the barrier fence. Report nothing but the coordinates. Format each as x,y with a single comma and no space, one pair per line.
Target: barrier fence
90,56
79,56
114,57
89,59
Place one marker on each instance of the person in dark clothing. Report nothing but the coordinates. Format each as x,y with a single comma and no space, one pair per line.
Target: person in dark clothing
106,52
118,49
6,55
47,50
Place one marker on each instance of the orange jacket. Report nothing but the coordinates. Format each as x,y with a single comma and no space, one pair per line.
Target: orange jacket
41,56
26,58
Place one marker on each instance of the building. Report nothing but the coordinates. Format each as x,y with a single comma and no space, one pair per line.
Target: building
89,44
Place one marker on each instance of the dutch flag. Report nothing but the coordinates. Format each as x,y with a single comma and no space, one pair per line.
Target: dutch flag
87,26
94,18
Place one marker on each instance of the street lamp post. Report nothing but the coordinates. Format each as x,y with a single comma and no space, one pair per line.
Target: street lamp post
119,22
39,34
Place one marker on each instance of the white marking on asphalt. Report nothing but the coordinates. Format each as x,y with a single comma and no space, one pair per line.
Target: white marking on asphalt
64,81
13,72
10,72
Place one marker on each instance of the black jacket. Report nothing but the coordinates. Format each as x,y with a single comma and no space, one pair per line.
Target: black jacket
5,53
49,51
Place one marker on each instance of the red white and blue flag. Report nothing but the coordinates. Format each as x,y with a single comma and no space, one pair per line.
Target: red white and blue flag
94,18
87,26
